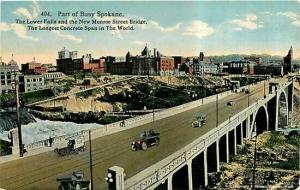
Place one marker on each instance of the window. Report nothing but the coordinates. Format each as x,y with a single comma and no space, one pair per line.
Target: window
28,80
40,79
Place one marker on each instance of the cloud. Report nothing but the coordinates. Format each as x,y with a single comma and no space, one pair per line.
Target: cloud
165,29
249,23
296,23
18,29
251,17
21,31
4,26
267,13
289,14
23,12
294,17
199,29
238,29
139,42
35,9
68,36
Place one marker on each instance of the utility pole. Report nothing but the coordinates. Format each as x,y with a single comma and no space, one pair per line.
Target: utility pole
254,159
217,105
265,88
91,164
248,91
16,88
54,92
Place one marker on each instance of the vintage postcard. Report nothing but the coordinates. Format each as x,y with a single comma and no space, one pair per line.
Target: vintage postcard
149,95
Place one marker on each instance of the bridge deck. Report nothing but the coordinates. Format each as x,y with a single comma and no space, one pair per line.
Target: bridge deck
41,171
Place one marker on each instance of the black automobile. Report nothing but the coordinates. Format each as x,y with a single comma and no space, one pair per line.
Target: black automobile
145,140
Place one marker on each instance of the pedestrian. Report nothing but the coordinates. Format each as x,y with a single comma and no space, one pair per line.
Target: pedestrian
50,141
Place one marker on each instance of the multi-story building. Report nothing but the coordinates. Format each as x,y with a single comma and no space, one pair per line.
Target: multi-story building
68,62
30,83
50,67
28,68
178,60
210,69
142,65
66,65
7,75
166,65
40,70
185,68
53,75
255,59
65,54
95,66
236,67
274,70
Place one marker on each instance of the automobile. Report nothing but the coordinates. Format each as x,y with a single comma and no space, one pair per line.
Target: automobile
200,120
231,103
75,181
73,146
145,140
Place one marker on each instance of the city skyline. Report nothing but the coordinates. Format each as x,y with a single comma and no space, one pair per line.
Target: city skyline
181,28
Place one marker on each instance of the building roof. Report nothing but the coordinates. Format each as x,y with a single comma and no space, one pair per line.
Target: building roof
145,52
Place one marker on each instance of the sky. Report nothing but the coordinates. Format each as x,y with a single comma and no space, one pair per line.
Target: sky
174,28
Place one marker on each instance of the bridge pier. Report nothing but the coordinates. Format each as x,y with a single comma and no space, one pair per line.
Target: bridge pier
248,127
180,179
272,113
199,171
277,112
224,148
232,142
190,175
238,135
245,129
242,133
169,181
213,164
290,103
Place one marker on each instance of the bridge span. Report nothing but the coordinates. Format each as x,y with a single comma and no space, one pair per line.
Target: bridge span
184,152
188,167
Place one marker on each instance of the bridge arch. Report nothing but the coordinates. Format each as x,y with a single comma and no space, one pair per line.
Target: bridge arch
260,120
282,109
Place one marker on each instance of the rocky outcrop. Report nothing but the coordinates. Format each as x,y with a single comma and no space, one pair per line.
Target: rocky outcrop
8,119
276,165
76,117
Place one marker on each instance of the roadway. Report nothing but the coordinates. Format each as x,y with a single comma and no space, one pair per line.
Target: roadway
40,171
